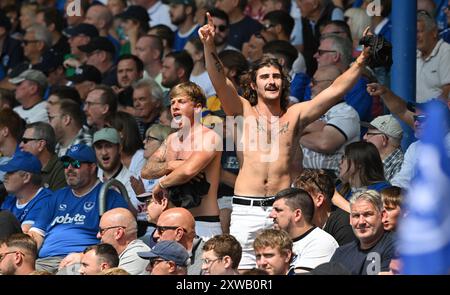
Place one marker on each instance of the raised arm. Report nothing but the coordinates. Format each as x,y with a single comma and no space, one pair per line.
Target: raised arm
230,99
394,103
320,104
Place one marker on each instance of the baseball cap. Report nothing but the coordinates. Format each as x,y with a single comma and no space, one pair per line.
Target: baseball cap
82,29
168,250
107,134
386,124
98,43
80,152
31,75
22,161
51,60
86,73
135,12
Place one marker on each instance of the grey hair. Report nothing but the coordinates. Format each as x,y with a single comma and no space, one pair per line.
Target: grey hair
343,46
430,23
370,196
44,131
41,33
153,87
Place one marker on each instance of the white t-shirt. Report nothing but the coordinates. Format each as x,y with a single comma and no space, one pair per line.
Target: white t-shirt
159,14
204,82
313,248
346,120
35,114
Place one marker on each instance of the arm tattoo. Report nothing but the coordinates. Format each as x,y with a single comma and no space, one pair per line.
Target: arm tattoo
218,64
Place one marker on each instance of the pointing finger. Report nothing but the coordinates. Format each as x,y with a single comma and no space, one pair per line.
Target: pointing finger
210,19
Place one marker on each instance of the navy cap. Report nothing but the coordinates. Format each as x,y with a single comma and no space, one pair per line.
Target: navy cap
80,152
22,161
86,73
168,250
98,43
135,12
50,62
82,29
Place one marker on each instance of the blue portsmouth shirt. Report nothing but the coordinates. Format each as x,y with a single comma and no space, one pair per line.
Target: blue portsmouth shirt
70,223
29,212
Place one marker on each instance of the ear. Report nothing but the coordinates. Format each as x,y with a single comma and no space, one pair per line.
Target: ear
319,199
232,73
41,45
227,262
288,256
51,27
103,56
66,119
4,131
278,29
298,214
105,109
172,266
27,177
180,72
188,10
103,266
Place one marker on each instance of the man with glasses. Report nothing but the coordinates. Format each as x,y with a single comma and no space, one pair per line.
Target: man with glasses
178,224
386,134
323,141
433,56
36,41
293,211
23,183
221,255
39,140
333,220
30,88
100,107
167,258
69,220
222,27
18,255
413,116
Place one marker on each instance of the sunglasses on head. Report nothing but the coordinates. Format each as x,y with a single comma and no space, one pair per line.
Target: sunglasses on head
74,163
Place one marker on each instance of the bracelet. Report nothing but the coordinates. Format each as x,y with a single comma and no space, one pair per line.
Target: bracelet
161,185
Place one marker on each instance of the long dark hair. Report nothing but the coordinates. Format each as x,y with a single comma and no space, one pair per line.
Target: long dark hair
250,78
367,161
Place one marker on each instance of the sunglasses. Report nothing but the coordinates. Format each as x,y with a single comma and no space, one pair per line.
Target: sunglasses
420,118
222,28
74,163
161,229
26,140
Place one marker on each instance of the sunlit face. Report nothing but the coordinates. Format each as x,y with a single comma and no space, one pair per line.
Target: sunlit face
143,102
183,110
79,178
393,213
425,39
7,265
127,73
108,155
154,210
212,265
159,266
283,216
33,143
269,83
151,144
90,264
326,55
94,108
24,90
376,137
366,221
272,260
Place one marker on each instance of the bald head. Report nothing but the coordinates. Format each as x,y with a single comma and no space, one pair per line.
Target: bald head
178,217
323,78
123,217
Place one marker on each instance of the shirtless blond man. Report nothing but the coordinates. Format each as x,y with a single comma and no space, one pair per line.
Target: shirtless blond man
193,150
266,109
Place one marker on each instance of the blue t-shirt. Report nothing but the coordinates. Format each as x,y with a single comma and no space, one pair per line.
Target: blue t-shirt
360,100
29,212
181,40
70,223
378,186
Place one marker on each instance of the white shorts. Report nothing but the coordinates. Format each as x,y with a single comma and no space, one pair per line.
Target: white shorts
207,230
246,222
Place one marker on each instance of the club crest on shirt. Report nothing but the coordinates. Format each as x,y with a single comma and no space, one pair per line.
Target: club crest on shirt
88,206
62,207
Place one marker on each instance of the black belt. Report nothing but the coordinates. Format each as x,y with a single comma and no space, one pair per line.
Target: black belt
257,202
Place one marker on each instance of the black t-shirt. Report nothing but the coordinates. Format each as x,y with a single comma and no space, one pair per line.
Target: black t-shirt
359,262
241,31
338,225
